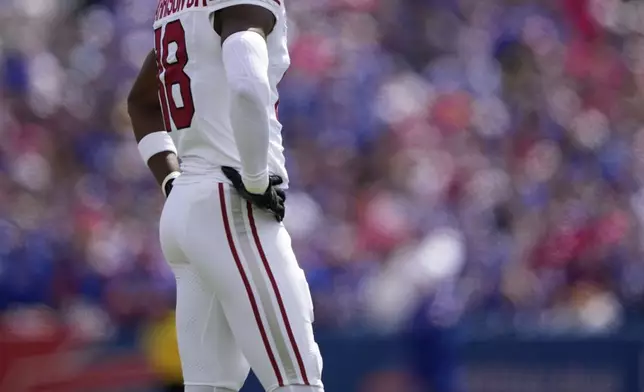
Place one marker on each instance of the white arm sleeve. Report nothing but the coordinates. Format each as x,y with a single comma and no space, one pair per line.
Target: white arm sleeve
245,58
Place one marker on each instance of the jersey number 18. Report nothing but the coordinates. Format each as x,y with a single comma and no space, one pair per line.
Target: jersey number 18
172,58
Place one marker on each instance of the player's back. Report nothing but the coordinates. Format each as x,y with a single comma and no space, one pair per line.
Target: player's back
193,89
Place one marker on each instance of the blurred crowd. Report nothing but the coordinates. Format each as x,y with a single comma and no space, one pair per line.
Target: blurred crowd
448,158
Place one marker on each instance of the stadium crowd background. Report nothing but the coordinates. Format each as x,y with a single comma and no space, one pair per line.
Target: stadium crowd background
450,160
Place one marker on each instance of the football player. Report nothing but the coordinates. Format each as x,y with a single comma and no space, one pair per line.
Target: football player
207,94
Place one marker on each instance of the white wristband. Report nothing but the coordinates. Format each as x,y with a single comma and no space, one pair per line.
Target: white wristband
154,143
167,178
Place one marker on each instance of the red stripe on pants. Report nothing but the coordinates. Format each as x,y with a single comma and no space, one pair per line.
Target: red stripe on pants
249,291
280,302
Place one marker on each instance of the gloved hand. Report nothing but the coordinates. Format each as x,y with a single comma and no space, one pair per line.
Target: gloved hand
272,200
168,182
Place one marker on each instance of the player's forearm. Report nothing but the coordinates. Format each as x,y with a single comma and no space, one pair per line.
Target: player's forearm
245,57
143,101
155,145
145,120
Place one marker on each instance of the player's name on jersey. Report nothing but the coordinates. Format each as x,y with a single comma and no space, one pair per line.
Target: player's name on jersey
166,8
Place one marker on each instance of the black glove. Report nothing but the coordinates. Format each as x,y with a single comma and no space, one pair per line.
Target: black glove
168,187
168,182
272,200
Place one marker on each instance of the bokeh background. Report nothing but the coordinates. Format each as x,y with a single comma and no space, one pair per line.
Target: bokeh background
467,196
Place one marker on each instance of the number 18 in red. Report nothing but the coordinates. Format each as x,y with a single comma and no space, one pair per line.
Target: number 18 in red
171,73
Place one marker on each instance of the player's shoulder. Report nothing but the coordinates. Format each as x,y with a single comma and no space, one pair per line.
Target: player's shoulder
277,6
270,2
169,8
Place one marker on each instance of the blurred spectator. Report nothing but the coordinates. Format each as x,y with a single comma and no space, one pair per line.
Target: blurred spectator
160,344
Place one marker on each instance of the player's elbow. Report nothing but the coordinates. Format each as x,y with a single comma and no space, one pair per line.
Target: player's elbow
135,101
143,94
250,91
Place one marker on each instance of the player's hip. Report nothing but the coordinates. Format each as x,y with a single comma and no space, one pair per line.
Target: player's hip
207,214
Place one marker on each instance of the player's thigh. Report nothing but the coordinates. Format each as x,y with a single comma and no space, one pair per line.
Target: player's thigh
208,351
272,318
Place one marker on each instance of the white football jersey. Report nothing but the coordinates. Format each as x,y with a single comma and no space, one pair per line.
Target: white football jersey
193,89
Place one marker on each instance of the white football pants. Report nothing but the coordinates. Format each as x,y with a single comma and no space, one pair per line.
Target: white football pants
242,299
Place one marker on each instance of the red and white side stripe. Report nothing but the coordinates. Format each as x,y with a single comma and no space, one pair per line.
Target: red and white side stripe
262,289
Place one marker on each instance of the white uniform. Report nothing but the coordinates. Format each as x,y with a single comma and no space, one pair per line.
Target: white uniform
242,299
197,101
